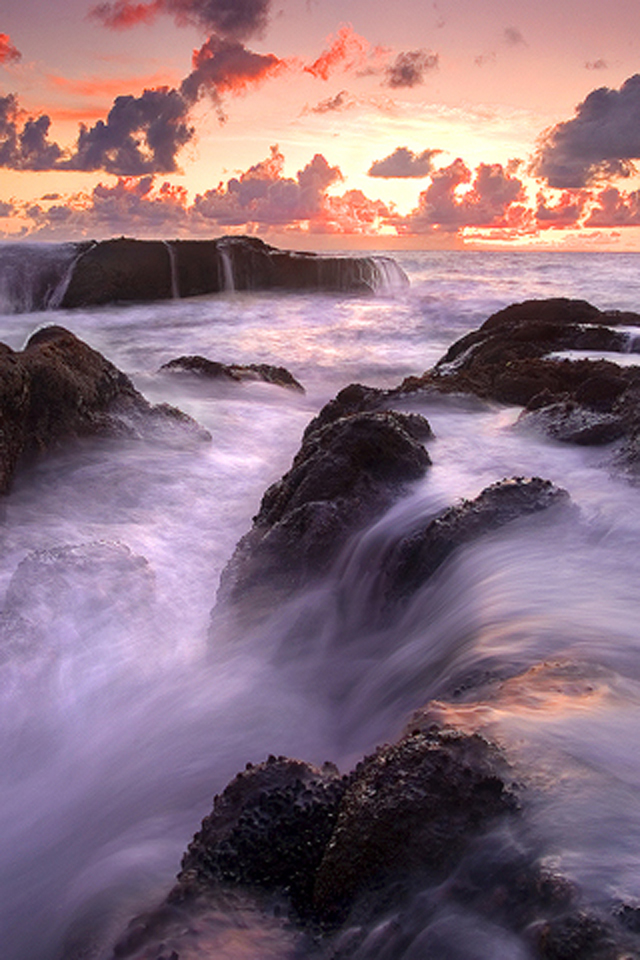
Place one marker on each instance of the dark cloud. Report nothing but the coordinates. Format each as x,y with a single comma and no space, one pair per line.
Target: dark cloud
513,38
409,68
8,53
600,142
615,209
226,66
25,146
141,135
6,209
341,101
404,163
490,202
596,65
565,212
232,19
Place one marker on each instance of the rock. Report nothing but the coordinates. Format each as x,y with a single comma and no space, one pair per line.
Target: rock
578,936
60,590
59,389
140,270
411,808
236,372
344,474
417,557
267,832
575,401
269,828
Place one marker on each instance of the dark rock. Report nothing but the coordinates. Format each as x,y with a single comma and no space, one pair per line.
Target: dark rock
343,475
269,828
576,401
417,557
571,423
411,808
236,372
59,389
142,270
578,936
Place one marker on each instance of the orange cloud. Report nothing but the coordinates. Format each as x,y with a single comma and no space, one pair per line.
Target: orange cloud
110,86
347,51
8,53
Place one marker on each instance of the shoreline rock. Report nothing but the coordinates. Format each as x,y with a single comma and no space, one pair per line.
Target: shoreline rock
58,389
235,372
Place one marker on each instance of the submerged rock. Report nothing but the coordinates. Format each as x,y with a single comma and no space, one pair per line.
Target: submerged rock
59,389
344,474
141,270
55,593
236,372
417,557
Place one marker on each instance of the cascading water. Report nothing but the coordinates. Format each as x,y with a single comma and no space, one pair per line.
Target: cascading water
120,719
173,266
34,276
228,280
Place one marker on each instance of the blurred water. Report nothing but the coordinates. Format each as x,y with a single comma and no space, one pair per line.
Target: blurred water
120,720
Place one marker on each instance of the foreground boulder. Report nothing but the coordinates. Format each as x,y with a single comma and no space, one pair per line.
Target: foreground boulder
344,474
142,270
236,372
59,389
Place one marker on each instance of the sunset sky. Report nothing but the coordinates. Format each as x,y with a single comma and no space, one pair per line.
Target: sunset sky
323,124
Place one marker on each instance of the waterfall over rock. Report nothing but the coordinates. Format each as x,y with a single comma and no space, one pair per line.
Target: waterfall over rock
47,276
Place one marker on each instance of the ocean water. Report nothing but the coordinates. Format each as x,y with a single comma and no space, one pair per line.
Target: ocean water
121,717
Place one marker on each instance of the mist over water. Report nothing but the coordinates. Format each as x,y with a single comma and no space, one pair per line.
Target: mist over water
121,718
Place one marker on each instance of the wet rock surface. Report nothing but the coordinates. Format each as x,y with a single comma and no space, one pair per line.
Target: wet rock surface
344,474
236,372
509,359
59,389
417,557
411,808
141,270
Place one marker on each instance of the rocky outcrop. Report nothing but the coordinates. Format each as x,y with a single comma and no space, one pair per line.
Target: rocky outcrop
578,400
139,270
59,389
413,560
236,372
344,474
372,863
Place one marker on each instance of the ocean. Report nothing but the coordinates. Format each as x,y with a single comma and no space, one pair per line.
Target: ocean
121,715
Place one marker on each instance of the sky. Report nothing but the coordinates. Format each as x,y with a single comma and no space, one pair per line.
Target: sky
318,124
